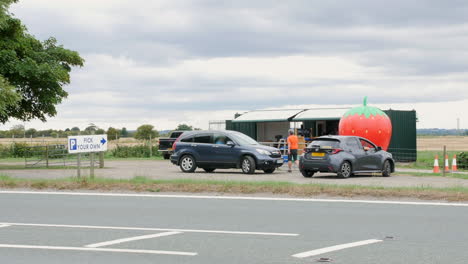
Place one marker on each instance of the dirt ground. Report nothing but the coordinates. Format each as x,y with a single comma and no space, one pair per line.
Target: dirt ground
165,170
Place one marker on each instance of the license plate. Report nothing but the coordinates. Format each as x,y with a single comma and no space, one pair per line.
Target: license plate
280,161
318,154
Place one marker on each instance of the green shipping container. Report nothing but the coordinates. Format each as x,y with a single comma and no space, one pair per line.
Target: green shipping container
403,143
248,128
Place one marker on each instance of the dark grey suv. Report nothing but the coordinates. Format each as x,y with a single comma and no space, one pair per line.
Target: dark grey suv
212,150
345,155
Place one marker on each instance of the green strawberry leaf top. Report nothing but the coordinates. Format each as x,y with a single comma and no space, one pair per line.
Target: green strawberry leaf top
365,110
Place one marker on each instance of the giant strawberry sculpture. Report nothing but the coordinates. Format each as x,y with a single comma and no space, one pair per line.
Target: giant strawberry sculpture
367,122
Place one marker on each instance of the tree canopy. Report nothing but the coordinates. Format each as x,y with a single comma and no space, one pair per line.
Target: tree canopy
146,132
32,72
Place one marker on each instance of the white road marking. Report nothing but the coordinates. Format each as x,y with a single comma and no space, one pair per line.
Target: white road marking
156,229
335,248
138,251
118,241
235,198
4,226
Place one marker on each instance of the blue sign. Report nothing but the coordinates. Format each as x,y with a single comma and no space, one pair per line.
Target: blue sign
73,144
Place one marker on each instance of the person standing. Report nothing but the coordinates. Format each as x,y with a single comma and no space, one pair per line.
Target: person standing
293,145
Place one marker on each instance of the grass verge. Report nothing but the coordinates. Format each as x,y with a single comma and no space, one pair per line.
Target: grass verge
426,174
142,184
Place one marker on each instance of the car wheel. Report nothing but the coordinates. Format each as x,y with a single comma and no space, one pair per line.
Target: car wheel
167,156
209,169
187,163
307,173
386,169
345,170
248,165
269,170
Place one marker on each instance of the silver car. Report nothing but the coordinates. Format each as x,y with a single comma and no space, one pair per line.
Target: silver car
345,155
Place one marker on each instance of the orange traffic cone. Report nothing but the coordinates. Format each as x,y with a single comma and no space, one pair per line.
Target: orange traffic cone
454,163
436,164
446,167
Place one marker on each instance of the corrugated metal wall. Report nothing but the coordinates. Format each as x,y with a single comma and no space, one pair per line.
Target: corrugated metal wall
403,142
248,128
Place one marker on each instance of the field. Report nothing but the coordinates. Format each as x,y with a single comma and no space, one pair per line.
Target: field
52,141
453,143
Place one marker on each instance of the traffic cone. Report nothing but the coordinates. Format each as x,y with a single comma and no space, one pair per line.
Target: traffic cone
436,164
446,168
454,163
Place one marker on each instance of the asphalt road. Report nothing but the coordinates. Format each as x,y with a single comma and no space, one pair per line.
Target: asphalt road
64,228
127,169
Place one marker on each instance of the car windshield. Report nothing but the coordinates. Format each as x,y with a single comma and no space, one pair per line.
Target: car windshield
243,139
331,144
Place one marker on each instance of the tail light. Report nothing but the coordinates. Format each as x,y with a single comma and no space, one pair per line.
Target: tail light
174,144
336,151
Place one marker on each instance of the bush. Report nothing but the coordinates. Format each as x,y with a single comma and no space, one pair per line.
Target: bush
139,151
462,160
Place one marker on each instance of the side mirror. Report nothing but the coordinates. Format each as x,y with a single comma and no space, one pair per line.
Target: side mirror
378,148
230,143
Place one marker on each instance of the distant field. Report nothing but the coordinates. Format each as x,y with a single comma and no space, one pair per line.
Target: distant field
51,141
424,143
453,143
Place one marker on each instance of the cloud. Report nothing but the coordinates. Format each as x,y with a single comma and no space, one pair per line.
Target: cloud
172,61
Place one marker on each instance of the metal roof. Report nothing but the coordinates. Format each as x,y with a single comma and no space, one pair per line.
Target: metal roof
321,114
275,115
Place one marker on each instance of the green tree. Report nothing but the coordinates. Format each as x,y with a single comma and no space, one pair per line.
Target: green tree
146,132
124,132
91,129
184,127
17,131
32,73
31,132
112,133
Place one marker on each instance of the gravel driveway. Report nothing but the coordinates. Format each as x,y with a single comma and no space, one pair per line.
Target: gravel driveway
165,170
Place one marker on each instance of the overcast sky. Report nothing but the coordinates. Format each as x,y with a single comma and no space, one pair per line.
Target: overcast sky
171,62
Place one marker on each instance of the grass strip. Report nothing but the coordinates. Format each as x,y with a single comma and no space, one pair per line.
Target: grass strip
143,184
430,174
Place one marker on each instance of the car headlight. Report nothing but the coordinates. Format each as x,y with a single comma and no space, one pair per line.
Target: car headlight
264,152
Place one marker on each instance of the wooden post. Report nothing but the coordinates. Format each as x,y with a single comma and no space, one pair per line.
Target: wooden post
445,153
91,169
47,156
101,159
150,147
78,173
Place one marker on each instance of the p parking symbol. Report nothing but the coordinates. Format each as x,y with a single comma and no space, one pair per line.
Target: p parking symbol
72,144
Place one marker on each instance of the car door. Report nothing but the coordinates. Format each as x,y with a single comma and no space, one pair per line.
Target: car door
371,160
202,145
355,149
226,155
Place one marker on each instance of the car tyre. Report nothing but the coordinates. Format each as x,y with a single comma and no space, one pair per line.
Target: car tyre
345,170
248,165
307,173
209,170
188,164
269,171
386,169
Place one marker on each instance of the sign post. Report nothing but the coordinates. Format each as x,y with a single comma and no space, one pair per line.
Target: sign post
87,144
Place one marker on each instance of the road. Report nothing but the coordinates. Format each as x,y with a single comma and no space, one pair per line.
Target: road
127,169
136,228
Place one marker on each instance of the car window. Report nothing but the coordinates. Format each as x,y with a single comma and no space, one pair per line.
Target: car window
220,139
205,138
187,139
330,144
176,134
243,139
365,144
353,143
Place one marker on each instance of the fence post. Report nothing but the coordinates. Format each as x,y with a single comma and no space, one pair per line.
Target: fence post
445,153
150,147
78,172
47,156
101,159
91,169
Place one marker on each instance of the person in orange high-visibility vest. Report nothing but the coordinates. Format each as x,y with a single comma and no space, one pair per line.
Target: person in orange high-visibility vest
293,145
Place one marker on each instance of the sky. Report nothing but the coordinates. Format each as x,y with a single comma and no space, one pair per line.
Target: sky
170,62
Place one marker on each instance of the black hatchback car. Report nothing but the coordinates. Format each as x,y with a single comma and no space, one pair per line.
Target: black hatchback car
345,155
212,150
